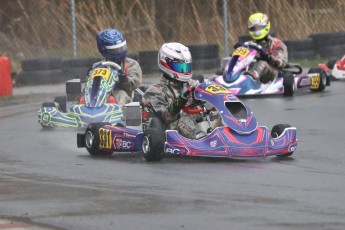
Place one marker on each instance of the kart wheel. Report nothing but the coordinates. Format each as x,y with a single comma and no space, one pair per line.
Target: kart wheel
61,101
92,140
289,84
153,144
278,130
323,78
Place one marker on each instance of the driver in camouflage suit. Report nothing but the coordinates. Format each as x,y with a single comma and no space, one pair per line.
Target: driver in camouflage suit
167,96
274,55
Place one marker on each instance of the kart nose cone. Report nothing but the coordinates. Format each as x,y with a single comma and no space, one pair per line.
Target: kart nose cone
89,138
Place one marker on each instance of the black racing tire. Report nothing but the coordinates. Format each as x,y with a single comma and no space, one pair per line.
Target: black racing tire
289,84
323,79
157,123
92,140
278,130
61,101
153,144
48,104
331,63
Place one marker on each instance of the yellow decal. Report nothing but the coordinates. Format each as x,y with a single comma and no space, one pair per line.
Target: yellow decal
241,51
101,72
315,81
105,139
216,89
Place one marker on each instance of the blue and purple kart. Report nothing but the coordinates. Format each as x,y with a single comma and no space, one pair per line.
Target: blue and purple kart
237,134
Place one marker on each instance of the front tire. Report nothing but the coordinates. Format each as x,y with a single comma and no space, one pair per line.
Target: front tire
278,130
92,140
323,79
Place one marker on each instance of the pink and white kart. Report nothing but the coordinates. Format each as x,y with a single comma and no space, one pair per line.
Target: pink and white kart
335,68
239,82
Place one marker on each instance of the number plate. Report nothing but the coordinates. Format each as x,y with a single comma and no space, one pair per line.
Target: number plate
216,89
315,81
101,72
105,139
241,51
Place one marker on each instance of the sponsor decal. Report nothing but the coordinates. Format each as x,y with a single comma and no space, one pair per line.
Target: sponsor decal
128,135
213,144
123,144
305,81
176,151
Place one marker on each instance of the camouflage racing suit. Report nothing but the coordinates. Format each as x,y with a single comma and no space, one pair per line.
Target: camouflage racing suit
163,96
129,80
267,70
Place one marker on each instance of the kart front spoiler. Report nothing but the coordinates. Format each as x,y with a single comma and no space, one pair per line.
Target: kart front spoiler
224,142
79,116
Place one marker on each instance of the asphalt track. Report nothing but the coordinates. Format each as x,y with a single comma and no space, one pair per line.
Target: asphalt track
46,179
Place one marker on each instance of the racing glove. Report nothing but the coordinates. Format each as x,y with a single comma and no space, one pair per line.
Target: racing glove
264,56
176,106
122,78
237,45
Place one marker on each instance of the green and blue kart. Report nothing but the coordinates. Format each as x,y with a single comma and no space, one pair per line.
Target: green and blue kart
95,106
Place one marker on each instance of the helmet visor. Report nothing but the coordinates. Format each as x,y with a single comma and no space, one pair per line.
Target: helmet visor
180,67
257,27
116,50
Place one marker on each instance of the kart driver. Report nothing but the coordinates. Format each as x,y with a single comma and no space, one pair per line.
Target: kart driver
274,55
113,46
167,96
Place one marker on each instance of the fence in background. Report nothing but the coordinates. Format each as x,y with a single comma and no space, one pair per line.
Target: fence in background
65,29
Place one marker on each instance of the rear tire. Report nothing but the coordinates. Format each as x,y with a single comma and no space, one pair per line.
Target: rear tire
289,84
92,140
278,130
153,144
323,79
61,101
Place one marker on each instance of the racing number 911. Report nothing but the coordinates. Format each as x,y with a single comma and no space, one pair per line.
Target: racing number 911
105,140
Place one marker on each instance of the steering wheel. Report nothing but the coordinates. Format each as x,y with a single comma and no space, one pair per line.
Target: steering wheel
112,64
253,45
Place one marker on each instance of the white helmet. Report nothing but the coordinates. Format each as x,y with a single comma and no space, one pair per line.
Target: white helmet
175,60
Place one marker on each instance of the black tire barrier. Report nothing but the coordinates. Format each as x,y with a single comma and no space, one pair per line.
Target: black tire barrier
327,39
301,55
148,61
78,72
209,51
40,77
42,64
331,51
206,64
80,62
299,45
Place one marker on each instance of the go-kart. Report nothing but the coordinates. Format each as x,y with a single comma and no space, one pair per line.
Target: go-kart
335,69
95,104
236,78
237,136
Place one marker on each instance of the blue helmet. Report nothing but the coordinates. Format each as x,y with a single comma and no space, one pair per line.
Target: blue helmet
112,45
